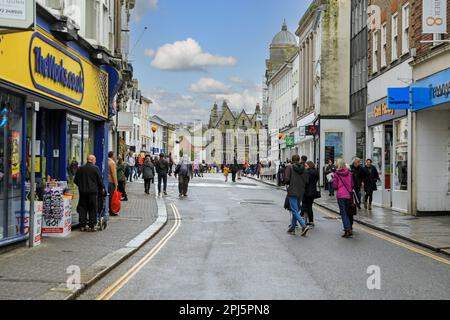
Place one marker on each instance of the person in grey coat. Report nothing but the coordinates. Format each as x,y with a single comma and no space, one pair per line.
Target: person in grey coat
185,173
148,173
296,178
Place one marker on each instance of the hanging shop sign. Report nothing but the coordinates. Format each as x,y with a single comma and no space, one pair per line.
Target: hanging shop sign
434,16
378,112
37,62
17,14
438,86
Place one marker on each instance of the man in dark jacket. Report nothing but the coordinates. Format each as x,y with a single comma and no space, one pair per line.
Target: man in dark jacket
185,173
162,167
89,182
234,169
148,173
357,174
296,178
311,192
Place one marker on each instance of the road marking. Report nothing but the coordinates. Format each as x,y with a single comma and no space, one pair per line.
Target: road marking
126,277
393,241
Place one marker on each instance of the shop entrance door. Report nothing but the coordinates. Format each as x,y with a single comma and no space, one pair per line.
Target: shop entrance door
387,170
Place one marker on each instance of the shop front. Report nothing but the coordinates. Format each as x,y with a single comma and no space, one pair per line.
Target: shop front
387,146
71,122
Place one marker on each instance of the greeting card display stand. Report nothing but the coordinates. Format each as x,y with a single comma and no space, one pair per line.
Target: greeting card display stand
57,210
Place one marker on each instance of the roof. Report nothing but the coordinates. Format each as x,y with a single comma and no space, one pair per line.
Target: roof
284,37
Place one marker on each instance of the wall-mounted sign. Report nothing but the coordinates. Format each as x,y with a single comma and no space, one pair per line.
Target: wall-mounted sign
290,142
17,14
434,16
398,98
378,112
438,86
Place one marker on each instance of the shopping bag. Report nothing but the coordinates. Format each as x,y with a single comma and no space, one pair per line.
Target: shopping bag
115,202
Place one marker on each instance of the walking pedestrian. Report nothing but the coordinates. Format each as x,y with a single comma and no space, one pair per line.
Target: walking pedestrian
370,178
184,171
343,183
234,169
131,162
357,174
148,173
296,178
311,192
171,163
196,168
136,168
112,178
226,172
121,178
162,168
89,182
330,169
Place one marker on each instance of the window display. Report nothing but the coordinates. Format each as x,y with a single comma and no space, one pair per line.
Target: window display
401,154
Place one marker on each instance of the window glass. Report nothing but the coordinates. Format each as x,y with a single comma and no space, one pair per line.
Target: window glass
401,154
377,150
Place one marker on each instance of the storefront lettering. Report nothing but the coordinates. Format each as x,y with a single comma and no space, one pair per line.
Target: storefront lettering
380,111
442,90
49,68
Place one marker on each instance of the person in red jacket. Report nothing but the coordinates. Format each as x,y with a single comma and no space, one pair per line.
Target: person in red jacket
343,183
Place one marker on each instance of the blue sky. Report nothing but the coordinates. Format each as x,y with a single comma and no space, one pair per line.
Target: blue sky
196,52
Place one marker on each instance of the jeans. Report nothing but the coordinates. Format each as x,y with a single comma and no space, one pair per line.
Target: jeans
136,172
130,173
295,204
330,188
121,187
162,178
343,205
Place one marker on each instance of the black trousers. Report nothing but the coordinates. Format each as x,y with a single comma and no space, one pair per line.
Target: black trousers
183,184
121,188
147,183
111,187
162,178
308,208
233,176
88,205
368,197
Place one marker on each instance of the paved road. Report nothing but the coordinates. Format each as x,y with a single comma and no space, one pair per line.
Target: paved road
231,243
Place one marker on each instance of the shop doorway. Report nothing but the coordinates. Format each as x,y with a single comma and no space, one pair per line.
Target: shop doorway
387,170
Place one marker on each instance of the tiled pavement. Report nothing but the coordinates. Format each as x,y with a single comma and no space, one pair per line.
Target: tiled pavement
29,273
431,232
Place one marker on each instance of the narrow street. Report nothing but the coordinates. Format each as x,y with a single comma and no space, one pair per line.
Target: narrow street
231,243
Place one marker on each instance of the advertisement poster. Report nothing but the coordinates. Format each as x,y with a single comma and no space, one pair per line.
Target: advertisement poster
335,140
15,156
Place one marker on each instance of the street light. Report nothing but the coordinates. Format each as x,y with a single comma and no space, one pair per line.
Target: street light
280,136
154,129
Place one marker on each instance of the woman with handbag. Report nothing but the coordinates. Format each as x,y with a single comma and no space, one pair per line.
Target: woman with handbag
343,183
311,192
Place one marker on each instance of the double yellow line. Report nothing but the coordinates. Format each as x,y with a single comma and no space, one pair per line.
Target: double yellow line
125,278
393,241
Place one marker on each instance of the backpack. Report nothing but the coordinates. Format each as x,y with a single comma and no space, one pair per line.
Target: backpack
184,169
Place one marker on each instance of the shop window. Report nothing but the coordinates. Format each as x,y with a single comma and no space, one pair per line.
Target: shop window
377,148
401,154
334,145
88,138
11,182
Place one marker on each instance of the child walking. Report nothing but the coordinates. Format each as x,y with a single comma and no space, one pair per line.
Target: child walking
226,171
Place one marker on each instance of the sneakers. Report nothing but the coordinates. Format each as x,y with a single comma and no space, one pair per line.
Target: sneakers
83,229
370,207
365,205
185,195
347,234
291,231
311,224
165,193
305,230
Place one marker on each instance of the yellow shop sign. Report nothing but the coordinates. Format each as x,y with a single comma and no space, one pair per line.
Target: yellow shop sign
38,62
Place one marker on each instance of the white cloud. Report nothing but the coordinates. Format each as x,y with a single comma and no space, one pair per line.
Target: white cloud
236,80
210,86
239,100
187,55
149,52
141,8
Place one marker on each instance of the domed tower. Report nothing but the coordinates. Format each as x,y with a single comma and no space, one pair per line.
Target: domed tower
284,45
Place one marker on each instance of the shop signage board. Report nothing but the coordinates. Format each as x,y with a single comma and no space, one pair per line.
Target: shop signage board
37,62
290,142
378,112
434,16
398,98
438,86
17,14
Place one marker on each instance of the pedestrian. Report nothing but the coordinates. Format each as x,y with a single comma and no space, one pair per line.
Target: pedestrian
196,168
162,168
343,183
234,169
370,178
184,171
357,174
311,192
330,169
136,168
296,179
89,182
171,163
226,172
131,162
141,163
121,178
148,173
113,183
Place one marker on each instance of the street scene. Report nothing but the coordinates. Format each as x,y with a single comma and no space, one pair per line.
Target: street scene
167,150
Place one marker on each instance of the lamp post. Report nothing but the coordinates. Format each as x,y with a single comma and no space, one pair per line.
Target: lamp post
280,136
154,129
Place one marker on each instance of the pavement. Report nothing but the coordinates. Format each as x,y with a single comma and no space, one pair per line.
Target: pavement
430,232
229,241
42,272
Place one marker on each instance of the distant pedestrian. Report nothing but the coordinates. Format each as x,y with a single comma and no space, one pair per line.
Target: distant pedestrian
343,183
184,171
171,164
296,178
89,182
196,168
113,182
121,178
330,169
234,169
226,172
357,174
148,173
162,168
131,162
136,168
370,179
311,192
